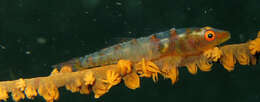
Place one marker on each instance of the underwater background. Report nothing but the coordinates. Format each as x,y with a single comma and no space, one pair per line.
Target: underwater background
35,34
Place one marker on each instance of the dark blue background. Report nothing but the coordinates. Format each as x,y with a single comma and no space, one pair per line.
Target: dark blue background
35,34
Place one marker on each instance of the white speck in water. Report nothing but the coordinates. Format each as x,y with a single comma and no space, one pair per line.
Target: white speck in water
241,37
210,9
125,22
188,8
20,5
86,12
205,11
28,52
2,47
19,40
94,19
41,40
118,3
38,20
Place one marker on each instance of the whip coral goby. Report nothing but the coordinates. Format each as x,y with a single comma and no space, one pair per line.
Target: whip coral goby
162,53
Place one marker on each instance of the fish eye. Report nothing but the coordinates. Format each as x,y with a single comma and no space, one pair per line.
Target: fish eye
210,35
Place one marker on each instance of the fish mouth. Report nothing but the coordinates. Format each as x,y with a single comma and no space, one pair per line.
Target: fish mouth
227,36
224,36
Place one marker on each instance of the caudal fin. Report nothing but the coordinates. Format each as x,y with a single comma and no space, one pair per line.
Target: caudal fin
73,63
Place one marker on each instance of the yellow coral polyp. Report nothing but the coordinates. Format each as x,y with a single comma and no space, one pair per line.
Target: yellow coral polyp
254,46
17,95
74,86
113,78
170,72
3,94
124,66
132,80
204,65
228,61
89,78
192,68
213,54
54,71
49,92
30,92
149,69
100,88
84,89
21,84
66,69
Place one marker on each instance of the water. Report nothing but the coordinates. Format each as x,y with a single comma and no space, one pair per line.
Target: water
37,34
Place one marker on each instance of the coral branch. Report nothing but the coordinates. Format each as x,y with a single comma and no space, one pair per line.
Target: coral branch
101,79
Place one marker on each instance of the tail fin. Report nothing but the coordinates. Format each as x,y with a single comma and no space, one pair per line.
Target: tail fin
73,63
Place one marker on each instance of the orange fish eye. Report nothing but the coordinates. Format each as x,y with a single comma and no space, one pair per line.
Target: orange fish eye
210,35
